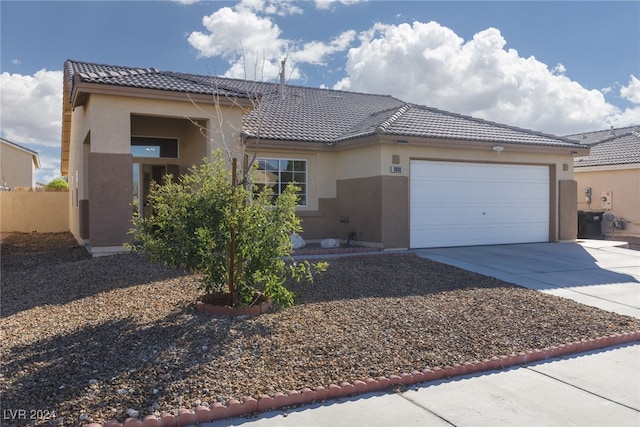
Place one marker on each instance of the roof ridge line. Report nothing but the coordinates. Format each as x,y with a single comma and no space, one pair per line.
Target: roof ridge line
592,132
501,125
187,77
384,126
258,82
613,137
22,147
127,67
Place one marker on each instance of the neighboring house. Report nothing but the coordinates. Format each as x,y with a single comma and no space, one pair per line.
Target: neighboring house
611,171
397,175
18,165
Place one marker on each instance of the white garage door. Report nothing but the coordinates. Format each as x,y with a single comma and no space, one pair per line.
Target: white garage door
465,204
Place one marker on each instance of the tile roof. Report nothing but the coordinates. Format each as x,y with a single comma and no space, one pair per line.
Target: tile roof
617,146
590,138
429,122
317,115
144,78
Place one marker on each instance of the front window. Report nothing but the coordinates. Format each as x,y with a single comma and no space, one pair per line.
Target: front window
278,173
154,147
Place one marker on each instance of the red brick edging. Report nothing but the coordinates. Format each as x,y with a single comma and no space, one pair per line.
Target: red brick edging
336,251
234,408
223,310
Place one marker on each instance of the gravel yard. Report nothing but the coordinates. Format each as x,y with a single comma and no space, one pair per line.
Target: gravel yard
88,339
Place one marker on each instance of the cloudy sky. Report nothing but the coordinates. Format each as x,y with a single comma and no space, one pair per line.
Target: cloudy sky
557,67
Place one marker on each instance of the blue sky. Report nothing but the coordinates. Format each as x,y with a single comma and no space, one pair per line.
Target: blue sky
557,67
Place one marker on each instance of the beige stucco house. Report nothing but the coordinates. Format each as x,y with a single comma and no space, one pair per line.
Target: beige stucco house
609,179
18,165
390,173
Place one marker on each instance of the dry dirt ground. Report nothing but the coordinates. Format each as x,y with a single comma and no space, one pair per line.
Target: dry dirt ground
93,339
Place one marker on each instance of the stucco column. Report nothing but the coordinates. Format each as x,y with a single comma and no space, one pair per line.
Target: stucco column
111,190
567,210
395,212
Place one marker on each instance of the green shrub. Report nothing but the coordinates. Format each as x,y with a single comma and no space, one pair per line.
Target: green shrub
239,241
57,184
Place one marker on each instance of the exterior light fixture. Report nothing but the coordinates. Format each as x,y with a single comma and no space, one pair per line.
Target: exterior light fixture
497,148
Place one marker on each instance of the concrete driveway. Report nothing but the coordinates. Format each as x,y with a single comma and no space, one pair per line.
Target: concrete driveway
592,272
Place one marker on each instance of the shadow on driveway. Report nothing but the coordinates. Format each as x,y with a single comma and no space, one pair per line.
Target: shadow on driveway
543,265
596,275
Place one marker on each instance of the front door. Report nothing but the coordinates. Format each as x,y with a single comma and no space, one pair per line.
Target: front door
143,175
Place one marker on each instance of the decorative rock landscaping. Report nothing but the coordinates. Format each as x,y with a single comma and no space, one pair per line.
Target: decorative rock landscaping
97,340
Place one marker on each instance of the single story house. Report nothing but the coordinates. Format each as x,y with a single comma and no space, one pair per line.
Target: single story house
18,165
391,173
609,178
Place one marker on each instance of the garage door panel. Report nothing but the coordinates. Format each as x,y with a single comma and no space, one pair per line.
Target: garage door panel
457,204
465,236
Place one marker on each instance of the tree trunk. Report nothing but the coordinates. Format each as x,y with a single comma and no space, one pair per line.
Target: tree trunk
232,243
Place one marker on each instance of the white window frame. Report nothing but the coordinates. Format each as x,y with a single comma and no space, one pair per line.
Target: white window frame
278,187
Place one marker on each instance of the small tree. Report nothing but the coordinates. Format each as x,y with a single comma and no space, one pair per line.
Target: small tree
57,184
238,240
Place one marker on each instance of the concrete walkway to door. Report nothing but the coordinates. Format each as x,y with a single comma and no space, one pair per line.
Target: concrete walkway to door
592,272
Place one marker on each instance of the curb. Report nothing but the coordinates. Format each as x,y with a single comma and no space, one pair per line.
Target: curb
235,408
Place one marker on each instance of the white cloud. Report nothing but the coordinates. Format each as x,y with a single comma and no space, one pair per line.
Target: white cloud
631,115
250,43
230,31
424,63
326,4
253,45
49,165
271,7
315,52
16,61
628,117
429,64
631,92
282,8
559,70
31,108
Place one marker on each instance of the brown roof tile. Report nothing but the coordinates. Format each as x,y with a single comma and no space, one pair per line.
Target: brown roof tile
317,115
616,146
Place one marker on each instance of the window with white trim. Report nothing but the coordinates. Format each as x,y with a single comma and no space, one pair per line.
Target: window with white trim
278,173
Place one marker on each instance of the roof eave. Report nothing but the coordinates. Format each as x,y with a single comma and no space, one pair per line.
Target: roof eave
82,90
574,148
603,168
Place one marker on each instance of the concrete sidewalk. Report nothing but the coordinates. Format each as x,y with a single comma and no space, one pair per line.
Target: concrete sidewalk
597,388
